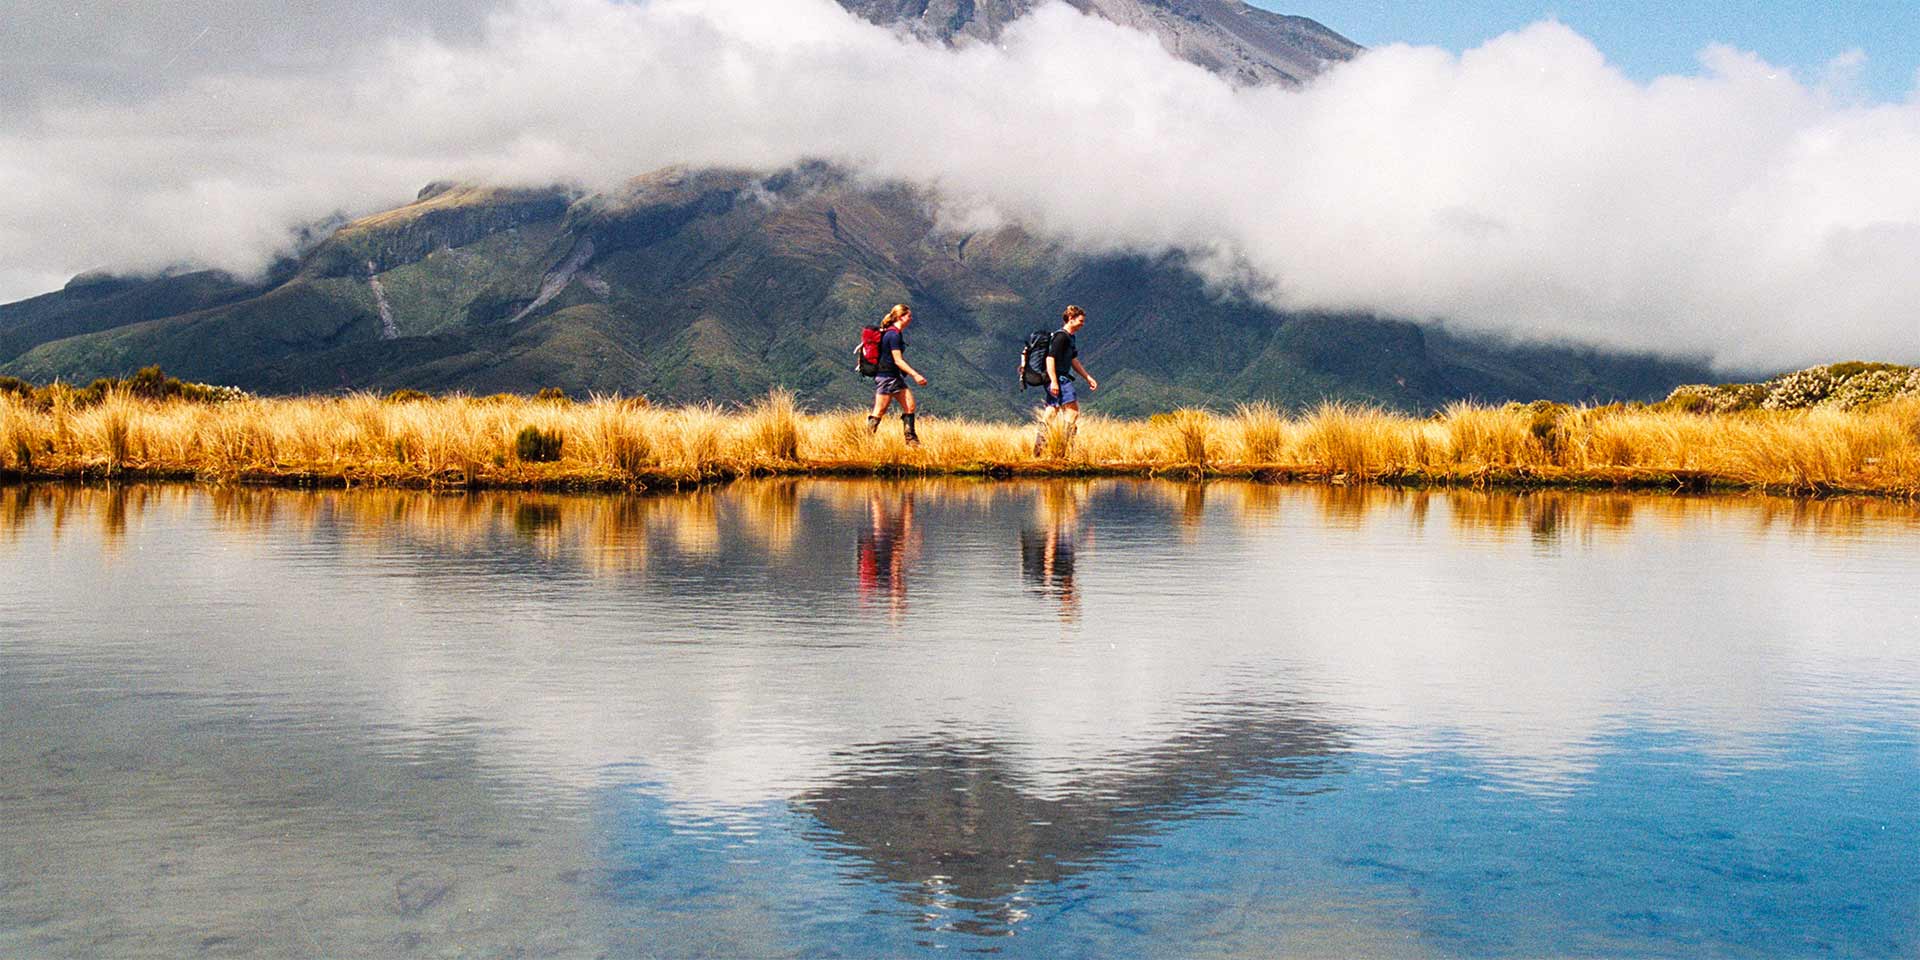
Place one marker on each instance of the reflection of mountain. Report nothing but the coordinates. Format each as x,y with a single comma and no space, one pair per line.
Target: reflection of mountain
955,822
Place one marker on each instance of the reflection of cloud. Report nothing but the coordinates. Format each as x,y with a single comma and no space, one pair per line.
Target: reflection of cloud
153,818
1524,629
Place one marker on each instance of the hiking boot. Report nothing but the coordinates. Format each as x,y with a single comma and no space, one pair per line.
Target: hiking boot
912,440
1040,442
873,424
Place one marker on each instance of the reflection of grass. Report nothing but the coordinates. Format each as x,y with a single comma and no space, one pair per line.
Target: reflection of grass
609,442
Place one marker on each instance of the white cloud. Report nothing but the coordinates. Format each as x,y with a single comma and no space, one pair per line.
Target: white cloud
1525,187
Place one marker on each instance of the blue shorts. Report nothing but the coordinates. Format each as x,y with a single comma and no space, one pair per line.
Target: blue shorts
1066,394
888,384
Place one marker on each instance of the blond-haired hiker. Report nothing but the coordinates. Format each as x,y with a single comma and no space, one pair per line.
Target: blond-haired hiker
890,383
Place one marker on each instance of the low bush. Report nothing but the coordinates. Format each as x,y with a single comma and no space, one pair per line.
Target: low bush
535,445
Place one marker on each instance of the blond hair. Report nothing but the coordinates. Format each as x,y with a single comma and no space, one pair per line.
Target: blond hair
893,316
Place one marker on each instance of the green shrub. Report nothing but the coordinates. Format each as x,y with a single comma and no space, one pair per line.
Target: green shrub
1853,368
1543,422
535,445
1684,403
147,383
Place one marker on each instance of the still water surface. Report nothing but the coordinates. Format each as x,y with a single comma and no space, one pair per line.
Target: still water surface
858,718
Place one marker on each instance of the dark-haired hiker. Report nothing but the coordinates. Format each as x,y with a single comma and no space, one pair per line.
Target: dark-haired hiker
891,380
1063,361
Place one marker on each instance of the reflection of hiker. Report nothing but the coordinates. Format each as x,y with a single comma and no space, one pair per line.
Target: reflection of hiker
1046,560
883,548
1062,362
1047,551
890,378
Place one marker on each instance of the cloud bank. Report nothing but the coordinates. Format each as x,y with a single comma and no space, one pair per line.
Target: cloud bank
1526,187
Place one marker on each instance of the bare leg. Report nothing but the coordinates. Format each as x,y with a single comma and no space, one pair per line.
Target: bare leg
1040,435
881,401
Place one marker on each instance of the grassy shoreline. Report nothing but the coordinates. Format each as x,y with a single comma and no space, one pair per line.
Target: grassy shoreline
514,442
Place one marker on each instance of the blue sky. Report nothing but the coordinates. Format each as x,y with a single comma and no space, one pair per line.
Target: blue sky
1648,39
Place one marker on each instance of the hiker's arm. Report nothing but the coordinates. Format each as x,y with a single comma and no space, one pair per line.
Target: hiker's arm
1092,384
1053,375
901,362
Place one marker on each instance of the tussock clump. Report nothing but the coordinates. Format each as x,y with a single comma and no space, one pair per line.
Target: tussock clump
693,439
1263,432
1495,436
772,428
408,395
1188,430
1362,441
616,436
21,432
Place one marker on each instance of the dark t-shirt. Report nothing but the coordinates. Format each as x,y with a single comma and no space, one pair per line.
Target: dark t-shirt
891,339
1063,351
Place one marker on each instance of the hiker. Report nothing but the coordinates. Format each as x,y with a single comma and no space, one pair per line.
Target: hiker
890,377
1062,362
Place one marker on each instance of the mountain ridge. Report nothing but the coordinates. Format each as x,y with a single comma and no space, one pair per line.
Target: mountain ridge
693,285
1241,42
716,285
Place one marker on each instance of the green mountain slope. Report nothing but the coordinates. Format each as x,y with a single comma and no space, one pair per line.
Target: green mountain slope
697,285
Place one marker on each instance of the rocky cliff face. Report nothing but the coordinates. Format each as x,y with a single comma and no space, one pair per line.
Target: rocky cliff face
1245,43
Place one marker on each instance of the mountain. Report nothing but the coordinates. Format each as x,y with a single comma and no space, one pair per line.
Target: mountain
689,285
1245,43
694,285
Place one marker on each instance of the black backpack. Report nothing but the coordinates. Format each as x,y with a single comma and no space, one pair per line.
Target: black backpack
1033,359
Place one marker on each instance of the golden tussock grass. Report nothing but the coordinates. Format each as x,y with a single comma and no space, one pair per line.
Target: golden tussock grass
362,439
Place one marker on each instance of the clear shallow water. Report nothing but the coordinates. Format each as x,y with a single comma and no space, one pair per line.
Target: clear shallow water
807,718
